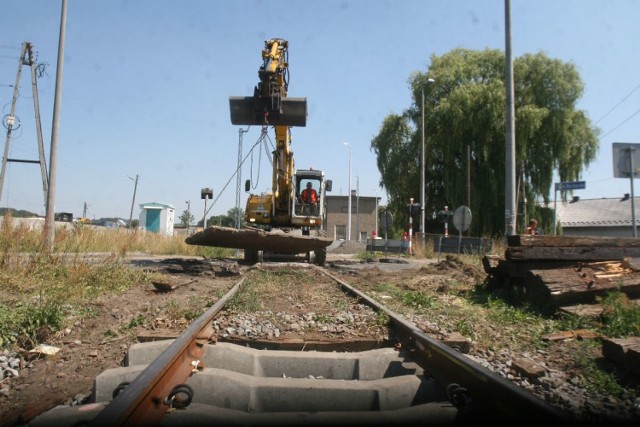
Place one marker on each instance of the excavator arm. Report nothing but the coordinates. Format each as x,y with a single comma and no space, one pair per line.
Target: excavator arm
270,106
269,103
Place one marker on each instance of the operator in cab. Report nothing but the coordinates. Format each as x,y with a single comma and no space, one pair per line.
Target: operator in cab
309,196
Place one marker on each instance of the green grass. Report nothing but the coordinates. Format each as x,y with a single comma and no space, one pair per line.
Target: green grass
598,376
621,318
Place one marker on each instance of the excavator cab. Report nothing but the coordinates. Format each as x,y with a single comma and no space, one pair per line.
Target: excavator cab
309,201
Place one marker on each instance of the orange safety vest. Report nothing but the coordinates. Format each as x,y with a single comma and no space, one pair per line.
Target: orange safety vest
309,195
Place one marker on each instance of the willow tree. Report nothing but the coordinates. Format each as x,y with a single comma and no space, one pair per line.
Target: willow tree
464,110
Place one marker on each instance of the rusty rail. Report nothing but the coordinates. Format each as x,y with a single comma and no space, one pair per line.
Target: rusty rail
467,382
469,385
143,402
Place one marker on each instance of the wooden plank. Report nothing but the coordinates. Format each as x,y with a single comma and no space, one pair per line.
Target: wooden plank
582,310
632,359
632,263
566,286
615,349
582,334
523,268
573,241
567,253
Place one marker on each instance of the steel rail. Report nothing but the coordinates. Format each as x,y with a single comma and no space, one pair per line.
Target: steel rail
144,401
471,386
488,394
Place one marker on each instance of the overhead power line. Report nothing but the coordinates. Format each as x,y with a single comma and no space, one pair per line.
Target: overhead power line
617,105
623,122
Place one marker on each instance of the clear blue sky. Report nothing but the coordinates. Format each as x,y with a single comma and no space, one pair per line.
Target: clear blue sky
147,82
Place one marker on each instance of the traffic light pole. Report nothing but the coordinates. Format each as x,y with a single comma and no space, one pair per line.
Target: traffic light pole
410,252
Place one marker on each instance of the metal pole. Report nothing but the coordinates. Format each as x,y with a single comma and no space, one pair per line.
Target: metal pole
410,251
239,176
633,207
469,182
376,221
49,224
446,223
133,201
422,172
555,208
349,202
204,217
188,202
11,118
357,208
510,143
36,108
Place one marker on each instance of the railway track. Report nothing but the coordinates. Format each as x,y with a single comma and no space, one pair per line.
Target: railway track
196,379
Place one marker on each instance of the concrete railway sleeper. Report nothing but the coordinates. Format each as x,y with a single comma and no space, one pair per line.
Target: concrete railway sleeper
192,381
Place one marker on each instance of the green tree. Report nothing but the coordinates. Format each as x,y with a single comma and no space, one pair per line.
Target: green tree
465,107
187,218
228,220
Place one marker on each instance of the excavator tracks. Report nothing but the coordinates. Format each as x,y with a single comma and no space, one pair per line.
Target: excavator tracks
205,376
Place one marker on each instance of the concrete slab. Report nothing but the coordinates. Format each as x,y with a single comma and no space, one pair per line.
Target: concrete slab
366,365
245,386
198,414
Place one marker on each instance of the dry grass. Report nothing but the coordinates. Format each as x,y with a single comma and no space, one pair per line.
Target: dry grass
39,289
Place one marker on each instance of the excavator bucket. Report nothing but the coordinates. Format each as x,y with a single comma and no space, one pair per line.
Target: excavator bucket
249,110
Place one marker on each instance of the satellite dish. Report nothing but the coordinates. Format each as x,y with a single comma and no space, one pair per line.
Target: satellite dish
462,218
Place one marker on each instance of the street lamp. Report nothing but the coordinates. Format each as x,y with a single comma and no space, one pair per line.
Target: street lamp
422,189
349,203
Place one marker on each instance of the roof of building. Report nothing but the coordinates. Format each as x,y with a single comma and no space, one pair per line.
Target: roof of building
605,212
155,205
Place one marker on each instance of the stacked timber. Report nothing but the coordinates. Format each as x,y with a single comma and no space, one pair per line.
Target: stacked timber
563,270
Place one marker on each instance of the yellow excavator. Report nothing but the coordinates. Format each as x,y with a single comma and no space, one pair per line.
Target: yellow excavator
286,222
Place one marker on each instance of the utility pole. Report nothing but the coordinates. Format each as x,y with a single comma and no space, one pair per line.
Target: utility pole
188,202
239,176
510,139
357,209
423,195
349,201
12,123
133,201
49,223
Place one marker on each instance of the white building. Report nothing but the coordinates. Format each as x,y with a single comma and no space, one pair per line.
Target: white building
157,217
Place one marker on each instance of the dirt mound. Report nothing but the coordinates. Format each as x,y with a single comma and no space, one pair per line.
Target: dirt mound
347,247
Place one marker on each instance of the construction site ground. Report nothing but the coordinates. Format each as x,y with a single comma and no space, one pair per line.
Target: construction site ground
98,342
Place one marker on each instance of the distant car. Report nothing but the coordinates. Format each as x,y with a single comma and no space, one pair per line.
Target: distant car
63,217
